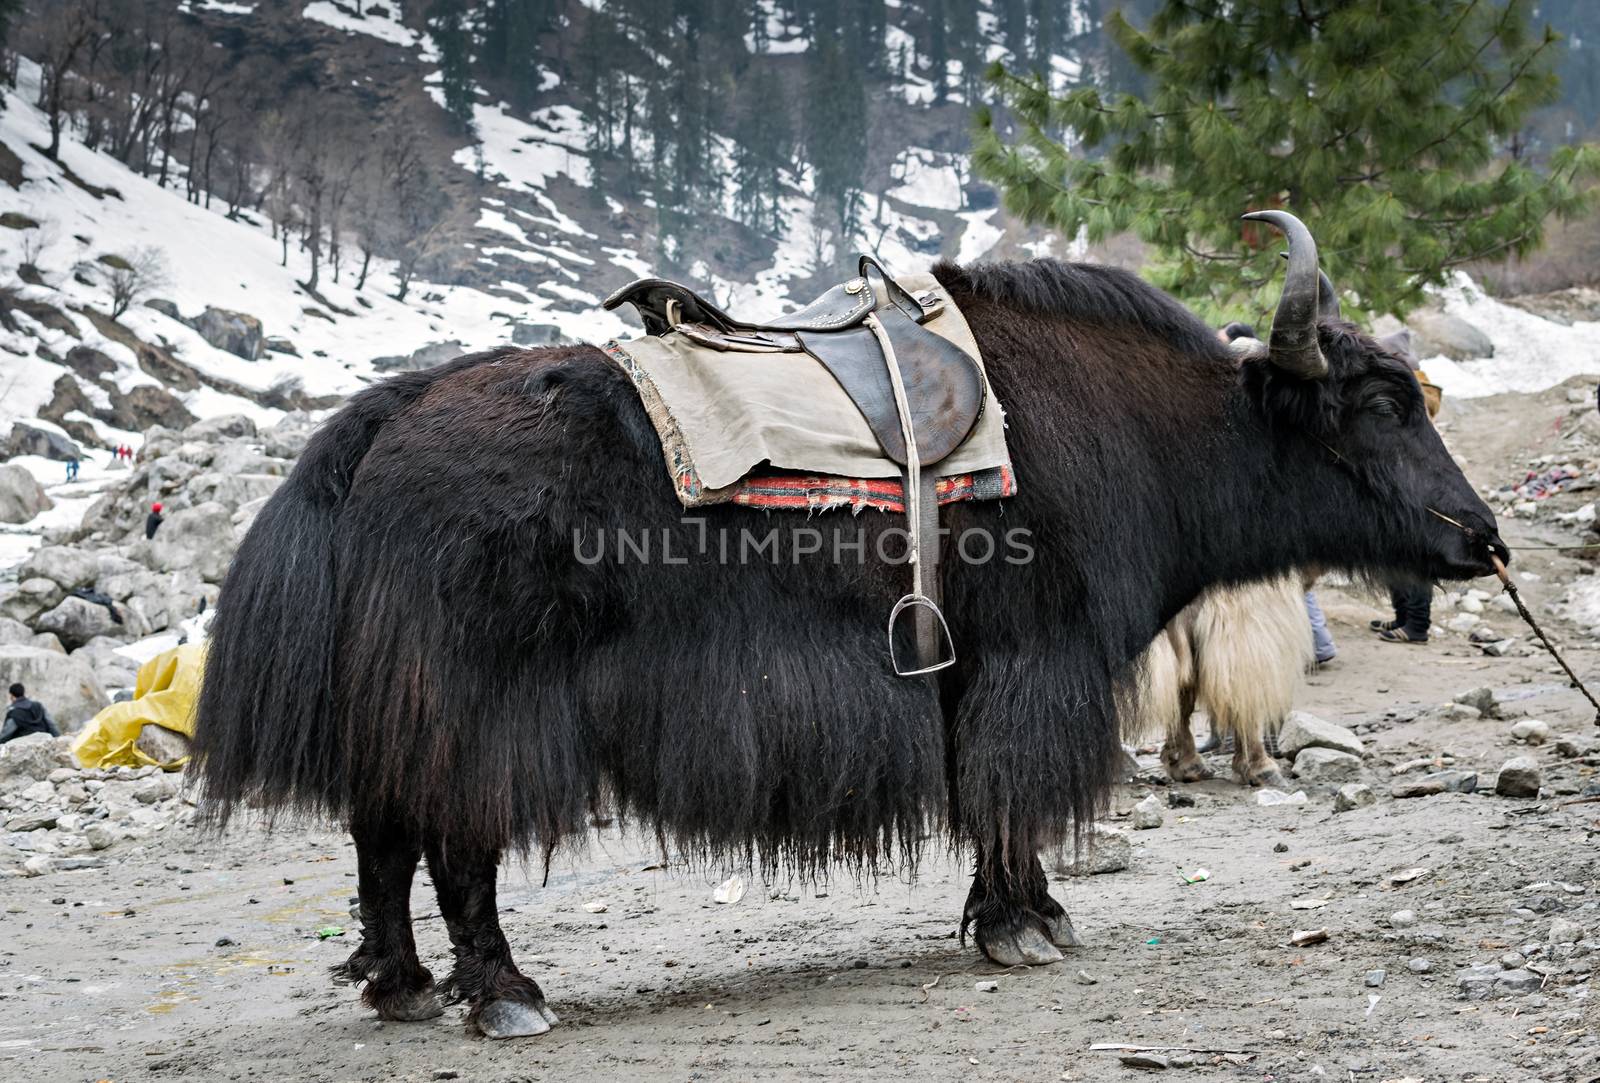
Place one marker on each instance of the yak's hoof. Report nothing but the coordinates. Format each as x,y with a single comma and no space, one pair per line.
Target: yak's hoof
1025,945
1062,934
1270,777
412,1007
514,1019
1194,770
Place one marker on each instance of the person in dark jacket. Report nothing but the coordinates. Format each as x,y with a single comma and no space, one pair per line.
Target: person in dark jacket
26,716
152,521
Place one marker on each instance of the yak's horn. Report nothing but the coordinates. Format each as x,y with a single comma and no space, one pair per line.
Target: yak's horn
1293,342
1327,298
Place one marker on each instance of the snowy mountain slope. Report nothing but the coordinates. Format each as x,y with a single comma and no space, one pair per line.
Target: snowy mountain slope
210,261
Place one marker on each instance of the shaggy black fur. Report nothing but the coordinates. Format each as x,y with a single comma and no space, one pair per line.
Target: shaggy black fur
406,637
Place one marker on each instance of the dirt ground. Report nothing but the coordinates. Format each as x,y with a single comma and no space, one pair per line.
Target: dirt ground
120,973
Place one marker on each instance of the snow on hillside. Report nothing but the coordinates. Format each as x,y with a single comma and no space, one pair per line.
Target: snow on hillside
1530,353
212,261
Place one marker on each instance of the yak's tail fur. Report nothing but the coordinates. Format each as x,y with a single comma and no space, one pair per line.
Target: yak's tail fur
1238,651
265,732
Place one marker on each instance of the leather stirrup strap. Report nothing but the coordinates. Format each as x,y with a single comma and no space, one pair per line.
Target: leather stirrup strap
922,519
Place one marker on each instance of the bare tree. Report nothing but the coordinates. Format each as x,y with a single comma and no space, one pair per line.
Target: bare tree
134,277
60,34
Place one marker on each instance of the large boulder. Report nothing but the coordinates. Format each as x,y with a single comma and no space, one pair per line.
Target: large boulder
14,631
115,670
29,598
242,457
233,490
67,686
76,621
237,332
435,353
1440,333
21,495
199,538
63,565
32,758
36,438
222,427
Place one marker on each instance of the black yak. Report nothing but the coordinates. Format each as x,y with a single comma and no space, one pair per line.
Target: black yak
413,640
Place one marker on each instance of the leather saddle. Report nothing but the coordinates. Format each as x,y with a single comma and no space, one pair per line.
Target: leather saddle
920,394
944,387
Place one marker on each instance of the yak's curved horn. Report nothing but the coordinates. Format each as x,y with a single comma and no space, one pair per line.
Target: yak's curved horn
1327,297
1293,341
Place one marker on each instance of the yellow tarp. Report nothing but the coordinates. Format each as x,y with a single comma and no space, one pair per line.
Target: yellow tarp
165,694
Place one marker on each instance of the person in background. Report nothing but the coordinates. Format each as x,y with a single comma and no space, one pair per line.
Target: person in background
1321,639
72,469
26,716
1413,604
153,521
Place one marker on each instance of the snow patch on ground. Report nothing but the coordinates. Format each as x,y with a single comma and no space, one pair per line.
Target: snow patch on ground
385,27
927,179
1530,353
980,235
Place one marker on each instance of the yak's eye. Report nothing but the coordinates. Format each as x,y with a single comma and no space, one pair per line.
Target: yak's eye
1384,407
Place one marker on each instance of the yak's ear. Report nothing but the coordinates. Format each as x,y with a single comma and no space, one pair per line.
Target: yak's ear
1399,344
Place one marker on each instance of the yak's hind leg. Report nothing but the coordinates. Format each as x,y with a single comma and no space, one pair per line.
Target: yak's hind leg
396,984
502,1003
1016,922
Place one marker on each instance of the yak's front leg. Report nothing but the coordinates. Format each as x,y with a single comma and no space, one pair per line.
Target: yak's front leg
396,984
502,1003
1013,917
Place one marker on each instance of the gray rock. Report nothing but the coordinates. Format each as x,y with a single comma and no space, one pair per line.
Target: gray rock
63,565
157,787
223,426
237,332
28,438
162,745
986,987
1148,813
1478,982
37,820
233,490
167,308
279,344
1375,978
1518,982
1302,730
435,353
30,757
1421,965
1439,333
1519,777
67,686
76,621
1482,699
29,598
21,495
535,334
1326,765
1531,730
200,538
1435,783
1574,746
1564,931
1107,849
1353,795
99,836
14,631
